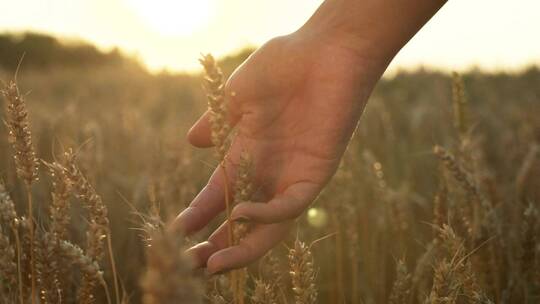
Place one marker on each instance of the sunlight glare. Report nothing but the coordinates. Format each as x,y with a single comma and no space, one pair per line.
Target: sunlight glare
173,17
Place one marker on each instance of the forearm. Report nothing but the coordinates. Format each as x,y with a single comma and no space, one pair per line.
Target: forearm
379,27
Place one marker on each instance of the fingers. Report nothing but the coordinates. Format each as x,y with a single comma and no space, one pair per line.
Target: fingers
217,241
200,133
255,245
285,206
207,204
278,213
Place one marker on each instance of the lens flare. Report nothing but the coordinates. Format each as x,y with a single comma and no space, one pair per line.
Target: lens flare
317,217
173,17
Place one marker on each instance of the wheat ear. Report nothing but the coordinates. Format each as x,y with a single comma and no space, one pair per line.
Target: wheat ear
220,128
8,267
8,217
59,212
302,273
217,105
99,230
243,190
264,293
88,266
27,165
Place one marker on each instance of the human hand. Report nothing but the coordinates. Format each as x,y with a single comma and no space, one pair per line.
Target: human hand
295,105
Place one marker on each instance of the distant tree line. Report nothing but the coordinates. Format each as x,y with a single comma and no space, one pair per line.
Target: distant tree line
43,51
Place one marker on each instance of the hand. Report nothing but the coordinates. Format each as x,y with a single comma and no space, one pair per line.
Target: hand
295,105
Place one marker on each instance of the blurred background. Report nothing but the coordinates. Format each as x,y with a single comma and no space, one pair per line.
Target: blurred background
119,81
163,34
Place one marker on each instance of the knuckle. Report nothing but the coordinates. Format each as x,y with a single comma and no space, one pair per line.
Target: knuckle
289,208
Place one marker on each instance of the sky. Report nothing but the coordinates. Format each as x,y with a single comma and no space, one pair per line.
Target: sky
170,34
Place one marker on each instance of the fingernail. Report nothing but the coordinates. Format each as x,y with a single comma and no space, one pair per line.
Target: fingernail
181,222
217,272
241,219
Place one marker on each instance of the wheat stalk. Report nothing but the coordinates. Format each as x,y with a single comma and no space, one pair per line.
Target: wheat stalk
220,129
463,179
20,136
217,105
454,276
98,231
8,266
26,163
59,207
243,191
88,266
47,272
59,213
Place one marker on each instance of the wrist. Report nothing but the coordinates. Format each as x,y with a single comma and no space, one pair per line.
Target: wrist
321,37
332,25
372,28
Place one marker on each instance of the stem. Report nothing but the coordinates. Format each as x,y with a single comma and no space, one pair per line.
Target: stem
234,283
31,227
19,273
113,266
339,261
227,205
106,288
240,284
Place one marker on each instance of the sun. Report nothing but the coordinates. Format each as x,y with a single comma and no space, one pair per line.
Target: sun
173,17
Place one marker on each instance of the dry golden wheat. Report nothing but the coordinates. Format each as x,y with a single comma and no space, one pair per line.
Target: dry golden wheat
303,273
217,105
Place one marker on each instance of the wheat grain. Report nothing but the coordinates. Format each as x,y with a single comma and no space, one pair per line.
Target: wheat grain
47,270
8,266
302,273
20,135
264,293
217,105
98,229
26,162
59,213
59,207
243,190
88,266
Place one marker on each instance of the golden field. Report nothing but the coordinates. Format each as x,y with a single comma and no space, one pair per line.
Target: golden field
436,201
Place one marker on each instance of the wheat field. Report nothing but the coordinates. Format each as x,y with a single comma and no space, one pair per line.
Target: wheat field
436,199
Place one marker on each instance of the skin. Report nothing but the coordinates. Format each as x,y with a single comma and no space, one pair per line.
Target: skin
295,103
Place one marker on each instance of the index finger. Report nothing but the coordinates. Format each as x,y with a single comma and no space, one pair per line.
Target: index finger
208,203
255,245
